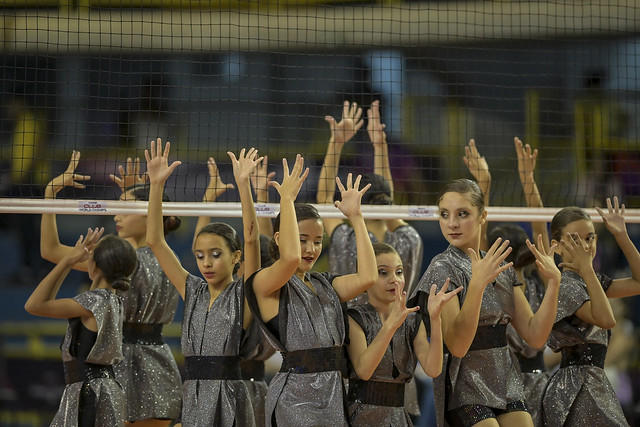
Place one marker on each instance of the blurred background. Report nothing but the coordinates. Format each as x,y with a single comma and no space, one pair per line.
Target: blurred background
106,76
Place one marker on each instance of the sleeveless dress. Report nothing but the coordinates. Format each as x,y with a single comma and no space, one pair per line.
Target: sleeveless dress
579,394
397,366
306,320
472,379
107,350
148,372
216,332
534,380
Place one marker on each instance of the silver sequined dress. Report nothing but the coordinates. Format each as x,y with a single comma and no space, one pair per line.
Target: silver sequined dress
215,332
405,240
149,373
258,388
535,383
397,366
106,307
579,394
313,320
472,380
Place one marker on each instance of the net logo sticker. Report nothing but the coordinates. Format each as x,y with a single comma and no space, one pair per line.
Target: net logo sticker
84,206
422,212
265,210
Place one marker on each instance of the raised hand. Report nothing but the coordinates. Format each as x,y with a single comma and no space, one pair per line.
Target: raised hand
614,218
526,160
291,182
437,300
346,128
68,178
399,311
158,167
216,187
485,270
544,259
374,127
245,164
260,180
477,164
581,255
129,176
84,245
351,196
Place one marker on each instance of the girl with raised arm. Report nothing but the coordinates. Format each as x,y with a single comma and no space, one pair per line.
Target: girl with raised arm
480,383
386,339
216,328
579,393
148,372
93,342
302,312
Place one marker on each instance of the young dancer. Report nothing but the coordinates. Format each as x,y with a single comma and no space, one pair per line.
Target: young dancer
93,342
398,233
148,371
386,339
216,328
579,393
302,312
470,391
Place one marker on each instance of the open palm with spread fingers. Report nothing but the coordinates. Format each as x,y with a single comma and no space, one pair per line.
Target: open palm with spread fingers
486,269
158,166
544,259
614,217
130,175
216,187
291,182
346,128
68,178
399,311
244,164
351,196
437,300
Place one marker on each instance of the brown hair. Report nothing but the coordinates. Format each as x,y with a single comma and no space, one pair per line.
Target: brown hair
564,217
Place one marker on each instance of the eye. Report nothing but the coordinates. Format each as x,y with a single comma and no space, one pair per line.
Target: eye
382,272
199,256
444,214
216,254
399,272
463,214
318,243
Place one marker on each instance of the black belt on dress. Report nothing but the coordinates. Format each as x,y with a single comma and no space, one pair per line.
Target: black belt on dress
584,354
142,333
212,368
314,360
252,370
76,371
531,364
376,393
492,336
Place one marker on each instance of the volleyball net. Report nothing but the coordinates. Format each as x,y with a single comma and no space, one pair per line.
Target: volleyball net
104,77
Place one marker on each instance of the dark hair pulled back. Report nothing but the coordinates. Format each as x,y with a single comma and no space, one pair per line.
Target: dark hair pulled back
228,233
141,192
564,217
117,260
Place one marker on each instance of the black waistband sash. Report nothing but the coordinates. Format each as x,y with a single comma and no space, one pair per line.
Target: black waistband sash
142,333
589,354
76,371
314,360
212,368
376,393
252,370
492,336
533,364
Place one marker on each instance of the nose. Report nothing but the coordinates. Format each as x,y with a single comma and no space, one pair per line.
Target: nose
452,222
308,247
206,261
116,218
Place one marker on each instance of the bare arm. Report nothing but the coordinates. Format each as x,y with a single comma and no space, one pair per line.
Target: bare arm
260,182
50,247
214,190
43,302
479,168
614,221
459,324
365,359
159,170
341,133
350,286
526,170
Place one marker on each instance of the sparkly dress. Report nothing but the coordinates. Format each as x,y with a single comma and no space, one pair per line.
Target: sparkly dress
307,320
106,307
579,394
148,372
405,240
397,366
258,387
215,332
472,380
534,380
